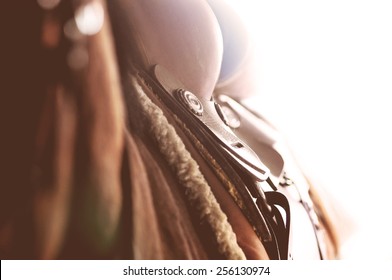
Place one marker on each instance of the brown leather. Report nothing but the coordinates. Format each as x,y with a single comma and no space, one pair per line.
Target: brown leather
82,178
160,226
205,45
182,36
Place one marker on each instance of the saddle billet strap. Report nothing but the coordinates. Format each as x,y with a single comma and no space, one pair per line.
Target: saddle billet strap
242,166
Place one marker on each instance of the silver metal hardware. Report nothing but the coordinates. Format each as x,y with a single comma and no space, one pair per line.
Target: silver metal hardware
206,113
233,120
228,116
190,101
285,181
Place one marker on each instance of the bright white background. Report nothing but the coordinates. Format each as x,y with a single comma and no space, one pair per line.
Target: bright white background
326,82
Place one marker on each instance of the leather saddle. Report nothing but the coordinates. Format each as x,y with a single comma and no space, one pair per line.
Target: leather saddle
90,179
196,58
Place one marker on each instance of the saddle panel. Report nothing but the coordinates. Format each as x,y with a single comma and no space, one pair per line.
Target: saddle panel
182,36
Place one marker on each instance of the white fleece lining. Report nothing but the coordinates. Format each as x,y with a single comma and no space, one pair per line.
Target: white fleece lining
189,175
